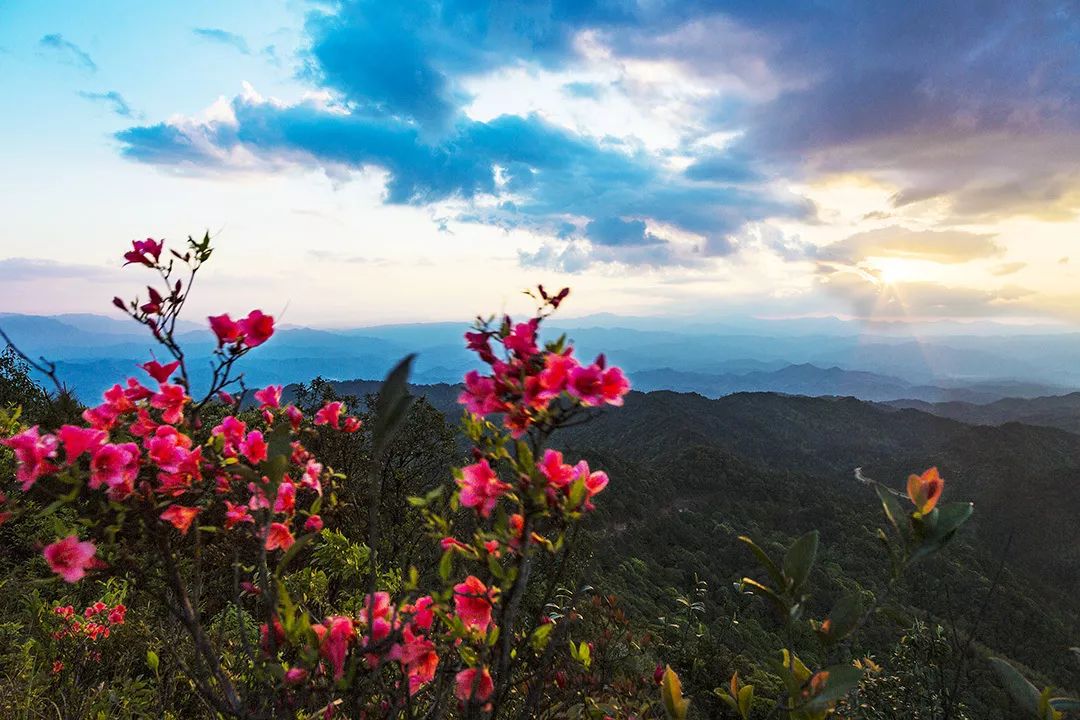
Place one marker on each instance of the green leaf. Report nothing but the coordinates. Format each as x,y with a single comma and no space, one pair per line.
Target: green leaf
746,700
541,635
844,618
446,565
1023,692
894,513
753,586
800,559
842,680
392,405
671,693
152,661
766,562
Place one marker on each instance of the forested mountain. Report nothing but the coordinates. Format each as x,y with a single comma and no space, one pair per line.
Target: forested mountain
1058,411
693,474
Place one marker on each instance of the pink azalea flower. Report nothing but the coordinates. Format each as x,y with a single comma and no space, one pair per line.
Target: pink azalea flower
613,386
339,634
479,394
556,374
279,537
181,517
102,417
295,417
555,470
310,478
285,502
269,397
231,429
351,424
118,398
314,524
32,452
330,414
167,448
236,514
170,400
586,383
256,328
144,252
473,684
136,391
479,342
480,487
522,340
254,447
423,615
295,676
472,603
418,659
115,466
70,558
160,372
144,425
226,330
594,481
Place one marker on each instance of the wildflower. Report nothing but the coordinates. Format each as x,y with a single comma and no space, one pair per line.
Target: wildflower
279,537
70,558
285,502
32,451
226,330
472,603
418,659
256,328
613,385
254,447
236,514
522,339
480,487
295,676
269,397
330,414
473,684
160,372
586,383
552,467
479,394
170,400
925,490
144,252
180,516
339,634
115,466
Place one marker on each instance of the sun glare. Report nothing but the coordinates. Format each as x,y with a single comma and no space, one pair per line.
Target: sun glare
891,271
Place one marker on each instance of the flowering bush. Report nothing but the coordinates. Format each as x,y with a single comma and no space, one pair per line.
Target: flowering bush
156,473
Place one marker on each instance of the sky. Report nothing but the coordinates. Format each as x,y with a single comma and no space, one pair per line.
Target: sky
364,161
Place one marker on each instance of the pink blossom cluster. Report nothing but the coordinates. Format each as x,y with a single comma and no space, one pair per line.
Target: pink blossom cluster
96,621
380,633
525,379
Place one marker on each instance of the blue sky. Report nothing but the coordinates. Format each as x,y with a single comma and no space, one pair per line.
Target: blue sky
366,161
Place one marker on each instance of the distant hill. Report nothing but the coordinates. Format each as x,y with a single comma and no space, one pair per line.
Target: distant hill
713,359
807,379
1056,411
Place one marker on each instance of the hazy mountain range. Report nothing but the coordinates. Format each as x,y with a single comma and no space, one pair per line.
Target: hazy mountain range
946,363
